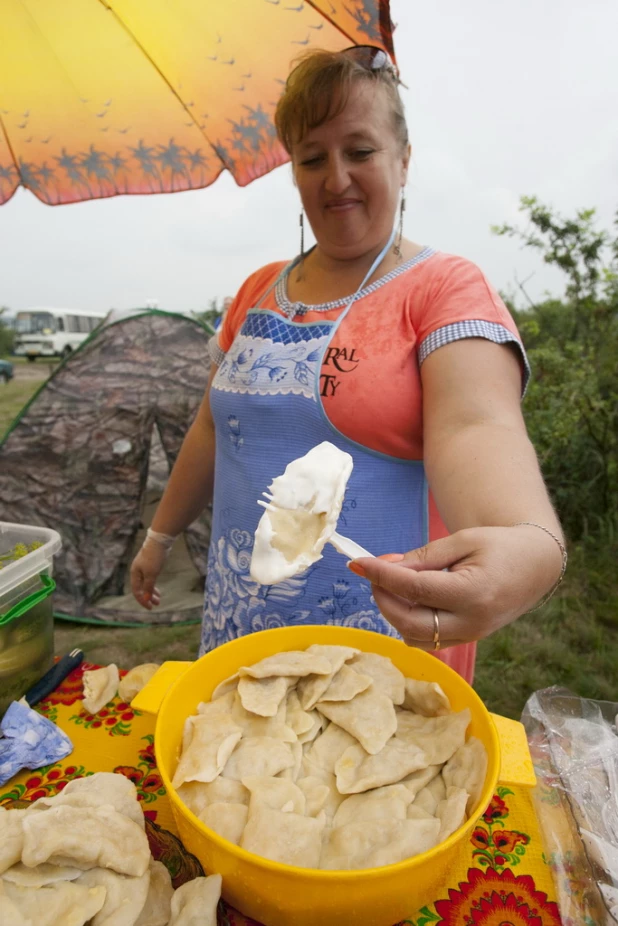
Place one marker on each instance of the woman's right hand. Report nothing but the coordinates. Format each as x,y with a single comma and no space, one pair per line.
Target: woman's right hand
145,570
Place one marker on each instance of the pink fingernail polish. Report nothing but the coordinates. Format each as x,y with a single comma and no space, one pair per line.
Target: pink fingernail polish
357,570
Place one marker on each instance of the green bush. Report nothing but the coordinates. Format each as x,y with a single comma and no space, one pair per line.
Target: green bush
571,408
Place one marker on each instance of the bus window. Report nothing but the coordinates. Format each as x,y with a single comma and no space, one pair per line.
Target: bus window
35,323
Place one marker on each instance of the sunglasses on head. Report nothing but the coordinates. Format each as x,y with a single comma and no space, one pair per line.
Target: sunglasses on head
371,58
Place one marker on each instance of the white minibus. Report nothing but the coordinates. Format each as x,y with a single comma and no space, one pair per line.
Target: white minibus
48,332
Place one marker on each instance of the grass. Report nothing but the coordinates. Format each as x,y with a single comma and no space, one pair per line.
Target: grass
13,396
572,641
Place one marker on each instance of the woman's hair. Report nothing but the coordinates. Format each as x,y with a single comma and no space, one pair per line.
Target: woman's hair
318,88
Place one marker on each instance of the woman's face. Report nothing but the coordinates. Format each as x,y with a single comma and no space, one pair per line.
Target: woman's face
349,172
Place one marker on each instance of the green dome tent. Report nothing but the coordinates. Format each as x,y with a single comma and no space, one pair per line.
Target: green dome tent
90,454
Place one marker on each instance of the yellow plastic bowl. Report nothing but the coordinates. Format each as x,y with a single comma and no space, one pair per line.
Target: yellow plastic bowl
284,895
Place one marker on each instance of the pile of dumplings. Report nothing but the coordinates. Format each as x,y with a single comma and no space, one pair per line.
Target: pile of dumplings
330,758
82,857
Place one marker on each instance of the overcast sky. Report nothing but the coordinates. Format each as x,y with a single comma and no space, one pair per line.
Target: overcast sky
503,100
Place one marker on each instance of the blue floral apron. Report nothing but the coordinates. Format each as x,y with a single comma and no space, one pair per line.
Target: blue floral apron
267,409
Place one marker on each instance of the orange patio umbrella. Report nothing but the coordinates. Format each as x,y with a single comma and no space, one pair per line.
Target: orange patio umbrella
107,97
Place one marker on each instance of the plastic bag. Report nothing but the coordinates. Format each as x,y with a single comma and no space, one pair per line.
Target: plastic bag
574,746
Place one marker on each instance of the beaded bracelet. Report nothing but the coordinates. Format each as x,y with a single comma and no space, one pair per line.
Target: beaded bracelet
563,551
164,540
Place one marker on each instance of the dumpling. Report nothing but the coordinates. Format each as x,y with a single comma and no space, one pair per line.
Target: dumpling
299,720
346,684
438,737
228,820
213,742
262,695
327,748
293,771
124,897
224,687
258,755
316,793
158,907
370,717
417,813
426,698
467,769
254,725
416,781
284,837
100,687
274,792
431,795
221,707
389,803
332,800
40,876
135,679
336,655
372,843
357,771
451,812
292,663
195,903
318,722
409,838
312,687
197,795
62,902
188,729
93,791
85,838
12,841
386,677
9,912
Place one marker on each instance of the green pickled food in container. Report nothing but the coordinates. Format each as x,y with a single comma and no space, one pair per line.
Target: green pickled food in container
26,650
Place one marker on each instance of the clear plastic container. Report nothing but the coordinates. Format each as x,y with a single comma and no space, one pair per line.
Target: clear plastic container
26,613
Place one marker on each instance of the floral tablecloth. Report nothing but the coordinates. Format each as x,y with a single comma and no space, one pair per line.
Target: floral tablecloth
504,880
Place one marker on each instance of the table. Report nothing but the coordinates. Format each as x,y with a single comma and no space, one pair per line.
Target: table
503,880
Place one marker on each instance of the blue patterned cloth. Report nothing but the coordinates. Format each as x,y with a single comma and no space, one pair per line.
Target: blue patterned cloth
30,741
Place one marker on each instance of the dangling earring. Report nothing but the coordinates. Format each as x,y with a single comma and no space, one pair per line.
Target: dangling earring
302,234
402,209
301,261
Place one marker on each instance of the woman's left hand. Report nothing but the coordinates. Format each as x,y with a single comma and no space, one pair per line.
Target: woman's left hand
494,575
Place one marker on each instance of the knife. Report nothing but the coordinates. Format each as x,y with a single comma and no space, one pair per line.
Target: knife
50,681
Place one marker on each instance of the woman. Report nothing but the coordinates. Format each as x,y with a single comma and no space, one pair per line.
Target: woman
403,356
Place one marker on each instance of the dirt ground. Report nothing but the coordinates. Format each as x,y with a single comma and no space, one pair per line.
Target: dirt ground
127,646
32,372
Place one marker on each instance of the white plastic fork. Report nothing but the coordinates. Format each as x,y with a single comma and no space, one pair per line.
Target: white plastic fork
342,544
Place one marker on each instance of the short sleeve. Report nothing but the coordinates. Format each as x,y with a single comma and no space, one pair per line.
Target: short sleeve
458,303
249,294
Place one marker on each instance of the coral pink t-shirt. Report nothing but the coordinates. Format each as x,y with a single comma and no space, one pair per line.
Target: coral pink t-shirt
370,379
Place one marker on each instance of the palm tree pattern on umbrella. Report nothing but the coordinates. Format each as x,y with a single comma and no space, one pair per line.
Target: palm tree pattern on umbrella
157,97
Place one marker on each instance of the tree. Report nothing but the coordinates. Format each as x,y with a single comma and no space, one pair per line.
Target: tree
7,335
572,404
